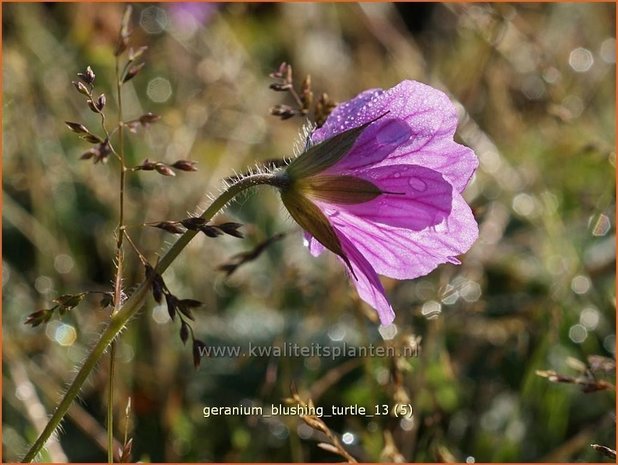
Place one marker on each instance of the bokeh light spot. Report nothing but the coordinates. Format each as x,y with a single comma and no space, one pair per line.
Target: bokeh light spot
524,205
43,284
6,273
65,335
348,438
601,226
431,309
407,424
388,332
609,343
337,332
581,59
160,314
63,263
578,333
159,90
607,50
589,318
153,20
580,284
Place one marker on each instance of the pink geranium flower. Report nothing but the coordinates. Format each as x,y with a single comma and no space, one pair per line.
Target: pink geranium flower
380,186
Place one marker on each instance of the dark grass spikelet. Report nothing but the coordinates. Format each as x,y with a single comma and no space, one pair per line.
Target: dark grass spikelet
125,453
157,283
210,231
39,317
231,229
149,118
146,165
588,383
125,31
304,99
193,223
181,308
184,332
87,76
134,54
172,304
606,451
164,168
170,226
102,152
198,348
185,306
81,88
245,257
143,121
133,71
323,107
184,165
77,128
64,304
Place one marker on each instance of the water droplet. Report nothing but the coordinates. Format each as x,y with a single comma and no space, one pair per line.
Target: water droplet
441,227
397,175
417,184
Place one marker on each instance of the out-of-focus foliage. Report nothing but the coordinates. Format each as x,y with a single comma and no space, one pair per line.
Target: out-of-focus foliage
535,84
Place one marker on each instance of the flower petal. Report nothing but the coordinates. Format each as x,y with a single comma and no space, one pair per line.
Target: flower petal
315,248
366,280
312,219
413,197
431,119
402,253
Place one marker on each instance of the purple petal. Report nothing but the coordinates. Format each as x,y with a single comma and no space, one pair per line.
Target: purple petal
402,253
415,197
375,144
366,280
431,121
315,248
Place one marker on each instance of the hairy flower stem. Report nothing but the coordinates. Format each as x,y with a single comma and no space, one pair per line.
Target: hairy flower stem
131,307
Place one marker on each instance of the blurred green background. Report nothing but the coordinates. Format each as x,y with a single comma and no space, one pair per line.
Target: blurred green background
535,86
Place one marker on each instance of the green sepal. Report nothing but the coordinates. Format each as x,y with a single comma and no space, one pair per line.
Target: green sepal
342,190
312,220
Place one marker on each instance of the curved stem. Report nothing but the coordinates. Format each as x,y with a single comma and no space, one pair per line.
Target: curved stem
110,403
132,306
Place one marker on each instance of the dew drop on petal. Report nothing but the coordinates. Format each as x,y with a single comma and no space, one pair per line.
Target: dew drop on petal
418,184
442,228
397,175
